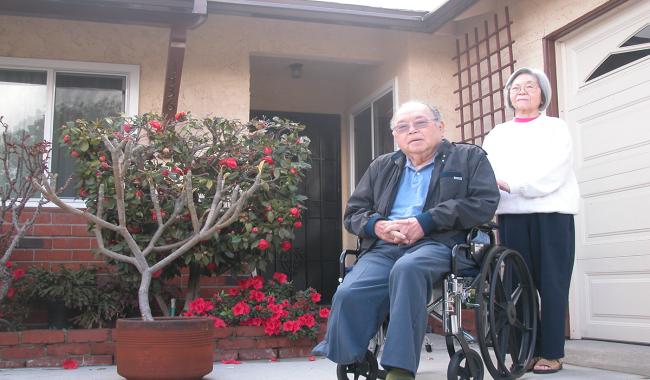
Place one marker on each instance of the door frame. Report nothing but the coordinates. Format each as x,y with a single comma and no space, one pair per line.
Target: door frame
549,45
356,109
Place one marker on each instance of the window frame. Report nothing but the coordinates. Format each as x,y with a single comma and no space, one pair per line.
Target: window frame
359,107
52,67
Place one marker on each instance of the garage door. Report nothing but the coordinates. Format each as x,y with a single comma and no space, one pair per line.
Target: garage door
604,86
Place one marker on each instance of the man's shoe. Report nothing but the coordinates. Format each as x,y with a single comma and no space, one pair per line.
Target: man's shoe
399,374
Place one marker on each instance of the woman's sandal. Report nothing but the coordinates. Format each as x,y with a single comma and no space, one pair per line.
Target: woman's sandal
530,366
545,366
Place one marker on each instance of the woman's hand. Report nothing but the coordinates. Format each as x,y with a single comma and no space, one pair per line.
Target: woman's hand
503,185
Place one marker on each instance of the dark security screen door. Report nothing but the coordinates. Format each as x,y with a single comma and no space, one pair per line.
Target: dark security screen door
313,261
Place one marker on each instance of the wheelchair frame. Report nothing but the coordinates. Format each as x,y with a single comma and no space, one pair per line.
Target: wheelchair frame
493,293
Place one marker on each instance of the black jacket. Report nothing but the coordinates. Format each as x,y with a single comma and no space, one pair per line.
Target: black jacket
462,194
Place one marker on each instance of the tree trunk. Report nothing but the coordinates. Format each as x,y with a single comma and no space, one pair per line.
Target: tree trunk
143,296
192,284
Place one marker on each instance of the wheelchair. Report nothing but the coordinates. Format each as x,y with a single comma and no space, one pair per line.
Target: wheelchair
498,286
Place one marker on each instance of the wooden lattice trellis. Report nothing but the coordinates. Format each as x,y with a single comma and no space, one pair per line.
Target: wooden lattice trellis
483,65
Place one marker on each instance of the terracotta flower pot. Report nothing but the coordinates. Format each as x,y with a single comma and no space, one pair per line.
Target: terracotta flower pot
167,348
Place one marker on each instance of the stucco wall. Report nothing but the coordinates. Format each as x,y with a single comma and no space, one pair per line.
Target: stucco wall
41,38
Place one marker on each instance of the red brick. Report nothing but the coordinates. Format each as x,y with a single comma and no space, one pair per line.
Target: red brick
90,335
249,331
22,255
96,360
68,349
80,231
42,218
105,348
52,255
48,361
273,342
258,354
86,256
235,344
22,352
71,243
42,336
220,355
50,230
68,218
9,338
12,363
294,352
224,332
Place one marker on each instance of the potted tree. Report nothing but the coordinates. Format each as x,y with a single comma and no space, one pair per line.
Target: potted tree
157,190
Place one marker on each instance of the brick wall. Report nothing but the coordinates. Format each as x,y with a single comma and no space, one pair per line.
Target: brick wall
49,348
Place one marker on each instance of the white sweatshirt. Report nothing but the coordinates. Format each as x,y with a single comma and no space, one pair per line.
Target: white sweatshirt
535,158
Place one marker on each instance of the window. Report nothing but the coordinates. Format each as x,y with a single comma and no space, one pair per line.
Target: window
634,48
38,96
371,132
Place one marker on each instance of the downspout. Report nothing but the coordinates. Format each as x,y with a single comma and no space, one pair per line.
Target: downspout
176,56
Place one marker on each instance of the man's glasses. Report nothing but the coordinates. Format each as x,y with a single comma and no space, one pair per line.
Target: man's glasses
527,87
402,127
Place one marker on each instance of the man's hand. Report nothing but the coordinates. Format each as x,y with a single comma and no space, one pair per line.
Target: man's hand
503,185
389,231
411,229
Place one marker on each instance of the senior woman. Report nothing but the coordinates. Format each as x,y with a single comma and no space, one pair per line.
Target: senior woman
533,162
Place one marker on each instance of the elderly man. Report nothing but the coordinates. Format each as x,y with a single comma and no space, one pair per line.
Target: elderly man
409,209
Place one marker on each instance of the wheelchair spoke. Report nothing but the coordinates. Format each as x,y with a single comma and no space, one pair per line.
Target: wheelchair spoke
516,294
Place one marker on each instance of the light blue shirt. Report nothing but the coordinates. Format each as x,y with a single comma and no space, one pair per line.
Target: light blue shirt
412,191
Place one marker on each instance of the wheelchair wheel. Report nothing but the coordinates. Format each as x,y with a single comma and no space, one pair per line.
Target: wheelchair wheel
507,321
368,369
465,368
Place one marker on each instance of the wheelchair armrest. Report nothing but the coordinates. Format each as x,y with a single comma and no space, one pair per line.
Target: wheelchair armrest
346,260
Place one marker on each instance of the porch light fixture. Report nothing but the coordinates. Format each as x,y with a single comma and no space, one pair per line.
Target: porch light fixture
296,70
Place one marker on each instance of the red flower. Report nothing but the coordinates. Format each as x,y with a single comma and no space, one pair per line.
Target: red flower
180,116
294,212
18,273
164,172
102,158
267,151
281,278
241,308
263,245
280,219
324,312
230,361
126,128
256,295
105,165
139,194
297,224
74,153
230,162
233,292
8,264
211,266
83,193
268,160
157,273
218,322
11,292
70,364
154,216
315,297
269,208
200,306
291,326
272,326
254,230
293,171
98,173
286,245
311,358
257,282
155,125
66,139
177,170
307,320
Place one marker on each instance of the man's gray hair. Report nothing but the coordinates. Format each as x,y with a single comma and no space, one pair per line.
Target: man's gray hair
416,104
542,80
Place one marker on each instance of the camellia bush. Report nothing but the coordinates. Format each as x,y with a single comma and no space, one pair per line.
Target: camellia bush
271,304
216,194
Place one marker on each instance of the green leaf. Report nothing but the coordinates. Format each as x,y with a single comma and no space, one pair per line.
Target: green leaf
84,146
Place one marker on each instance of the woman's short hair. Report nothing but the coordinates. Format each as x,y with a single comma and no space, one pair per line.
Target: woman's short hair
542,80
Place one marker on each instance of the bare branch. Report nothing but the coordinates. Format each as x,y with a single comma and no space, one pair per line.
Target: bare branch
189,195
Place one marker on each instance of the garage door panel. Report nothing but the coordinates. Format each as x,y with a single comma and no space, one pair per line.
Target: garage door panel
613,213
633,163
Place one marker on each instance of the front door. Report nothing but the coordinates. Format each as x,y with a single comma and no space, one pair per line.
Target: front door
313,261
604,80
